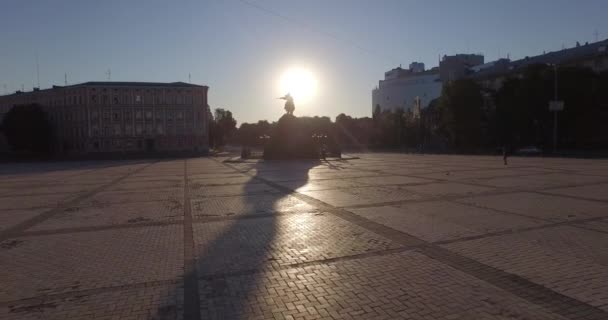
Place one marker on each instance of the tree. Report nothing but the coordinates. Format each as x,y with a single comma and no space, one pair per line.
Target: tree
222,127
461,114
28,129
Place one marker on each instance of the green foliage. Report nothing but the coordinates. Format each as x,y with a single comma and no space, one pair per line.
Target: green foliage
28,129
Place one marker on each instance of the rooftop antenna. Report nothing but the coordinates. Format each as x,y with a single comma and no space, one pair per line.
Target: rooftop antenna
65,78
596,35
22,87
5,91
37,71
189,78
109,74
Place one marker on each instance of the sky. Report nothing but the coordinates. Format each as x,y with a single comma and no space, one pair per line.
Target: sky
240,48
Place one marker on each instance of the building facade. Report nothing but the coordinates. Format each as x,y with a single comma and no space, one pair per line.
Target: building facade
401,88
122,116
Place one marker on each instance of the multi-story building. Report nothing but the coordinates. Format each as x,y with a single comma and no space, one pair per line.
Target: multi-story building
122,116
402,88
589,55
457,66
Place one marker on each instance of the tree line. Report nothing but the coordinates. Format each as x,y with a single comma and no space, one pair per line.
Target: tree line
469,117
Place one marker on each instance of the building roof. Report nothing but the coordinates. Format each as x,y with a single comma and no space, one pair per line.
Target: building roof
584,51
137,84
178,84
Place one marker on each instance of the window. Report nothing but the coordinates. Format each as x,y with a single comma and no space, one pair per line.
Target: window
106,115
115,116
117,130
138,98
115,99
94,98
148,115
180,115
138,114
159,129
139,129
128,130
128,115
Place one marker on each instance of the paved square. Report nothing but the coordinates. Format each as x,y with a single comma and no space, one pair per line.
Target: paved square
384,236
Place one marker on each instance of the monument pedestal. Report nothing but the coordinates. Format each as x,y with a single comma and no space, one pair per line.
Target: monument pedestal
291,140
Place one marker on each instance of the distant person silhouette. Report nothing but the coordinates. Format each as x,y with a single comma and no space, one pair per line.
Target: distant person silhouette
505,154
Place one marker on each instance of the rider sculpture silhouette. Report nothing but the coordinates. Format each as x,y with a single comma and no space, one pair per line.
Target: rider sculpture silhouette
289,105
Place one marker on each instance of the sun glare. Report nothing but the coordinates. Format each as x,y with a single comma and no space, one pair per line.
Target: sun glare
300,83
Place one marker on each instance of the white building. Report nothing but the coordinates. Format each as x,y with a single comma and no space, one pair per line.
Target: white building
401,87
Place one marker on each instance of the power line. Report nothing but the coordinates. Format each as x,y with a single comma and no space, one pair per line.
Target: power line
311,28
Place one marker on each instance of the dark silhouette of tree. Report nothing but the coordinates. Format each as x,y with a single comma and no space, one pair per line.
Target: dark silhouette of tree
522,114
461,114
222,127
27,129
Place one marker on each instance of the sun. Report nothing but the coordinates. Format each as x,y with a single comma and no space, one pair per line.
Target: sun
300,83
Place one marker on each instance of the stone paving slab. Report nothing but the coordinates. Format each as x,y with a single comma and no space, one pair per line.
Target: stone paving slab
49,188
10,218
550,208
219,180
597,192
390,180
247,205
198,191
272,242
123,196
447,189
138,185
34,201
397,286
152,303
114,214
362,196
441,220
315,185
568,260
53,264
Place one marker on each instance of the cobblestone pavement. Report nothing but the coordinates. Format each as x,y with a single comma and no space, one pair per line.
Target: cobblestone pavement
385,236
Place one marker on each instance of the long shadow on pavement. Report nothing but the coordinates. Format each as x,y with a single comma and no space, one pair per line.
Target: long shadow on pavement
230,252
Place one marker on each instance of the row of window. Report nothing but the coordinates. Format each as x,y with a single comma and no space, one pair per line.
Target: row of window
108,145
139,114
138,130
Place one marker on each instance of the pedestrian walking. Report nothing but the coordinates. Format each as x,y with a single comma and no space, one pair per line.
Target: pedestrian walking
504,154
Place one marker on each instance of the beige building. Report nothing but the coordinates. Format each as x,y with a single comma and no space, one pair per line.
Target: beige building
123,116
